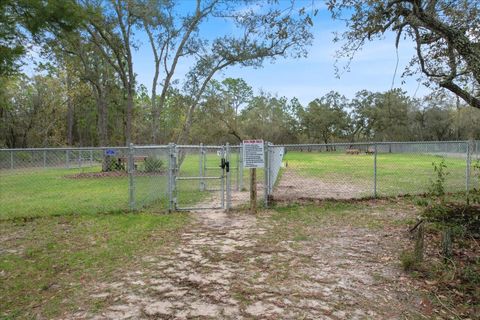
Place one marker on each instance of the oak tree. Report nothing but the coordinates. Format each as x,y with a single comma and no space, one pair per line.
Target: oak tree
445,34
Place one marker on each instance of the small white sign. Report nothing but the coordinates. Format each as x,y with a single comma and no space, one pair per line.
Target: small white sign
253,154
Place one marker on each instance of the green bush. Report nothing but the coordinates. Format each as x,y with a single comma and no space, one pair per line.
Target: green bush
422,202
408,260
471,274
112,164
475,193
437,187
153,165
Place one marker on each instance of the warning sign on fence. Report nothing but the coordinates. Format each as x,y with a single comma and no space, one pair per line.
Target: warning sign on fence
253,154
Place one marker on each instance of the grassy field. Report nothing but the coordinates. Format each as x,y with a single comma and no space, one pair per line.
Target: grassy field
396,173
42,192
58,233
46,262
38,192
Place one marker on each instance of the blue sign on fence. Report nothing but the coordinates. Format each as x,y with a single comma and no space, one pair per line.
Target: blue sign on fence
110,152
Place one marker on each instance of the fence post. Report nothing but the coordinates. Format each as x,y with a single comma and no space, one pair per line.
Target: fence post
222,181
79,159
11,160
171,177
241,168
131,168
91,158
237,171
266,175
200,169
67,159
229,194
270,169
44,159
375,172
419,242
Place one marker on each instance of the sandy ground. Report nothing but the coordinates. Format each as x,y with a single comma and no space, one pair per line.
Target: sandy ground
223,269
293,186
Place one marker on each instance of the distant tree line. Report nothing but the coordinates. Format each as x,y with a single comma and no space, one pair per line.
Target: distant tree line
58,110
85,91
369,116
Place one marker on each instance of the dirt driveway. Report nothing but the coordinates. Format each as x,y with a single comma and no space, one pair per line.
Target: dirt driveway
294,186
238,266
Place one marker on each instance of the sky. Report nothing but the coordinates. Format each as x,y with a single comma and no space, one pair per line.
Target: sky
308,78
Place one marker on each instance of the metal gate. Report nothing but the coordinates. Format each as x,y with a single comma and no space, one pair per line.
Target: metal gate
200,177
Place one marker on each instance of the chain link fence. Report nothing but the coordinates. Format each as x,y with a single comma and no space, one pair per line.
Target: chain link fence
37,182
199,180
148,181
363,170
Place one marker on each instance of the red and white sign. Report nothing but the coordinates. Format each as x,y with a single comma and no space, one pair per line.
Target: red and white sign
253,154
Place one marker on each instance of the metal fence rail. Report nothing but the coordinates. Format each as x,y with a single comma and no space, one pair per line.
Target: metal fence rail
362,170
167,177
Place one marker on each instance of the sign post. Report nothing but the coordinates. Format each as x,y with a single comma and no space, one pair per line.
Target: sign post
253,190
253,158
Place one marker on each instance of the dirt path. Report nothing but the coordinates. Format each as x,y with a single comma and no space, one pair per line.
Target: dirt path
294,186
226,267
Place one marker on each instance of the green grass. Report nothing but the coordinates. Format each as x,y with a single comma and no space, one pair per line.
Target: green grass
309,221
37,192
42,192
46,262
59,234
396,173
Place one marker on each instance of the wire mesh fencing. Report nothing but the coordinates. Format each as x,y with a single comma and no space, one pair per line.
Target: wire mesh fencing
416,168
149,174
199,178
474,168
324,171
363,170
36,182
274,164
50,181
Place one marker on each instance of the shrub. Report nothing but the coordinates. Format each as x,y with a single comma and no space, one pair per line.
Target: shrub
475,194
153,165
112,164
422,202
408,260
437,187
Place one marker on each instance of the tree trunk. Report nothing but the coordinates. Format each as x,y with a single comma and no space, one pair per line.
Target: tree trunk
155,116
70,112
128,127
102,120
102,127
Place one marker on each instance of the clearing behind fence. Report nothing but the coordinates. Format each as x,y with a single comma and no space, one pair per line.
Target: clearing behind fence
37,182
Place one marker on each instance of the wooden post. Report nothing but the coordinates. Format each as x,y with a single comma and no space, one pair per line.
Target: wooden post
253,190
419,242
447,243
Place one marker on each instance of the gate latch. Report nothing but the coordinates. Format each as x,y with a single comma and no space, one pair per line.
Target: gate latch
225,165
